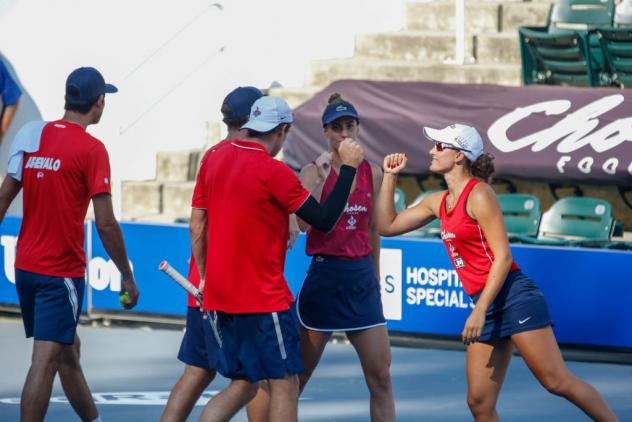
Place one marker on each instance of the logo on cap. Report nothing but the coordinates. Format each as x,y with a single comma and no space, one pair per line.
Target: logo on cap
257,112
461,141
341,108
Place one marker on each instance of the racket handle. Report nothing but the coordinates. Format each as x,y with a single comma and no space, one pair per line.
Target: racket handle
180,279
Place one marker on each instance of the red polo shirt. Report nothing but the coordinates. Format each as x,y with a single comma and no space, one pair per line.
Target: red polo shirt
248,196
70,167
194,274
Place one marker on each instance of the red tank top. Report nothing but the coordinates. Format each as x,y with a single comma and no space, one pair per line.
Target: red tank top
350,237
466,244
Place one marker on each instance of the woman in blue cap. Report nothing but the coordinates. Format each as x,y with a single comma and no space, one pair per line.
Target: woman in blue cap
341,291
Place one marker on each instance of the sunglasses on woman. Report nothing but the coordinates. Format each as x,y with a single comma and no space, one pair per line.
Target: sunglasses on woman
440,146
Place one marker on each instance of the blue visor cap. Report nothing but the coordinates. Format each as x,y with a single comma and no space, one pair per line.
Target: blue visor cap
339,109
85,85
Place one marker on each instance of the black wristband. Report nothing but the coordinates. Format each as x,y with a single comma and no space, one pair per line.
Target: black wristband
324,217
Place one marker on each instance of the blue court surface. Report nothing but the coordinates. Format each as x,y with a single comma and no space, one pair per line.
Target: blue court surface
131,370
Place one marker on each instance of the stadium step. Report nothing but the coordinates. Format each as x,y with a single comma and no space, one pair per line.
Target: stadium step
146,199
141,198
498,48
515,15
480,16
176,198
324,72
177,166
295,96
433,46
439,16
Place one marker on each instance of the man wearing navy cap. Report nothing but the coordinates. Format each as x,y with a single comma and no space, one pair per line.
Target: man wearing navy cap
61,168
197,351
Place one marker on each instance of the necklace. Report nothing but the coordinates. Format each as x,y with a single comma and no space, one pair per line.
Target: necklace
449,203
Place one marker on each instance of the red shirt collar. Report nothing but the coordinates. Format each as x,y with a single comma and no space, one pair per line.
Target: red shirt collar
248,145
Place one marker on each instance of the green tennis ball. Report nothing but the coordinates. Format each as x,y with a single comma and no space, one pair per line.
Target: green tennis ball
125,299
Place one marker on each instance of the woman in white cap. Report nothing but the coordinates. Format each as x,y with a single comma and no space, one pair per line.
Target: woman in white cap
341,290
509,308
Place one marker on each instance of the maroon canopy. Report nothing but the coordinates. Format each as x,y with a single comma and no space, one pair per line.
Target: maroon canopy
554,134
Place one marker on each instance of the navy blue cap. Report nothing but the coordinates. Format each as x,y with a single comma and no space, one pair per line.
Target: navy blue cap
238,102
339,109
85,85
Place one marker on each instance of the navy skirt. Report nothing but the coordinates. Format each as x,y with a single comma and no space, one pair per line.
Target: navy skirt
340,295
518,307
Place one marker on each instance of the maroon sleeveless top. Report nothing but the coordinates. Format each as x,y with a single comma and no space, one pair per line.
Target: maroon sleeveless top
350,237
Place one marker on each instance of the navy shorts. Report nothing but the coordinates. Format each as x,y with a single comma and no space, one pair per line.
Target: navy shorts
259,346
50,305
340,295
198,347
519,306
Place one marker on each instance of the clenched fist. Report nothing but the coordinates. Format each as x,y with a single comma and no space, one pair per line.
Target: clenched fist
351,153
394,163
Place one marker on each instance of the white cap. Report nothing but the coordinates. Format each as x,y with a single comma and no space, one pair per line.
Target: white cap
460,136
267,113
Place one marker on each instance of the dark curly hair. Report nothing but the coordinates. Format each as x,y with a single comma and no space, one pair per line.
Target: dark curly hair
483,167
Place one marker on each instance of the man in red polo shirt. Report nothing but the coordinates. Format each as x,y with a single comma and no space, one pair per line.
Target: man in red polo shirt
197,350
61,168
239,230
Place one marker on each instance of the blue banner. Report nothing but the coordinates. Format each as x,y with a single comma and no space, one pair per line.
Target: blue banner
8,239
147,246
587,290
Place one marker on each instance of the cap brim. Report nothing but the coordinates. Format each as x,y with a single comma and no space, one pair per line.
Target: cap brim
259,126
431,134
436,135
110,89
340,115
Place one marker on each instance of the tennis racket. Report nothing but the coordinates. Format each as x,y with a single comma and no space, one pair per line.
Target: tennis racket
189,287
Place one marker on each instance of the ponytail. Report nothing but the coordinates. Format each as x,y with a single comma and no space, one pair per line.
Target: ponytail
483,167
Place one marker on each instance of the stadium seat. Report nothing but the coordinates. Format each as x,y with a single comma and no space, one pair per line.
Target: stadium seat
522,215
400,200
565,52
577,221
572,58
616,44
560,59
431,229
580,15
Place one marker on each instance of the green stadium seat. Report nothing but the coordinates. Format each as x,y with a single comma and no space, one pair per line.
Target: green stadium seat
580,15
616,45
400,200
580,217
619,229
565,51
560,58
577,221
432,229
620,245
521,213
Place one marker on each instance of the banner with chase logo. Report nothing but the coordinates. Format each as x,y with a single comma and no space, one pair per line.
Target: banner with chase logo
548,133
588,290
